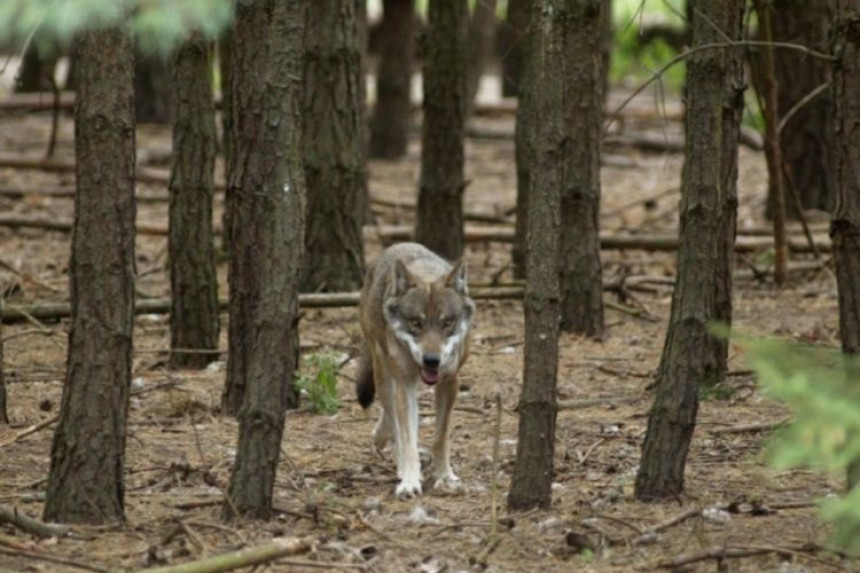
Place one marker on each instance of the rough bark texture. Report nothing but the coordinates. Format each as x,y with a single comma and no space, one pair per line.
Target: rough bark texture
690,355
225,64
268,231
152,90
85,483
389,128
582,73
521,143
807,139
439,217
482,38
845,227
513,36
334,154
194,321
531,484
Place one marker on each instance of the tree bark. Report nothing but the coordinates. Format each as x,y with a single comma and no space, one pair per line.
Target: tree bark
691,357
85,483
194,320
531,484
482,38
845,227
439,217
268,240
334,151
582,73
806,139
521,156
513,36
152,90
389,128
225,64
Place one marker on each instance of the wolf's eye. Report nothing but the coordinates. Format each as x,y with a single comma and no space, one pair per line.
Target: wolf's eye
448,323
415,323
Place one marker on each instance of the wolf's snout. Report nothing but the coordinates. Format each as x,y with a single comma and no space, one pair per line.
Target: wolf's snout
431,361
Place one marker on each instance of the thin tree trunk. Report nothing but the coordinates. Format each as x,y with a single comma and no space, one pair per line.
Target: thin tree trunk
581,276
152,92
521,156
531,484
439,216
389,128
845,227
691,357
482,38
513,45
85,483
268,239
773,154
37,68
334,152
194,320
225,64
606,45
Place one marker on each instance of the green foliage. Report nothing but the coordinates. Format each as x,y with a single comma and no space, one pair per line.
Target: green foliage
158,25
822,388
318,382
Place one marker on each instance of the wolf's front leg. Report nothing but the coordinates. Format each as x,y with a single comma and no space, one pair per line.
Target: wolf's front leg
406,438
446,395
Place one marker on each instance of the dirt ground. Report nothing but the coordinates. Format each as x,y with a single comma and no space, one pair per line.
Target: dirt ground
333,489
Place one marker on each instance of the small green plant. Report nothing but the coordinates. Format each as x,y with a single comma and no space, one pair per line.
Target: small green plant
318,383
821,386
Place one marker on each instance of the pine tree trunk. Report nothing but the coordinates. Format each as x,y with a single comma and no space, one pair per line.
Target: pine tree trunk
845,227
482,38
521,154
36,69
439,217
513,45
531,484
389,128
806,140
691,357
334,154
152,89
85,483
581,276
194,320
268,239
225,64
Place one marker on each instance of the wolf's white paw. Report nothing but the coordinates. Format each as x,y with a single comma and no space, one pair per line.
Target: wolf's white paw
408,488
448,481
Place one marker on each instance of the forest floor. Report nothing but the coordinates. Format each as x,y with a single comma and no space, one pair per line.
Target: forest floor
332,488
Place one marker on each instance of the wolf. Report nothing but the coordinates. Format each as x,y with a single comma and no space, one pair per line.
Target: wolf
416,317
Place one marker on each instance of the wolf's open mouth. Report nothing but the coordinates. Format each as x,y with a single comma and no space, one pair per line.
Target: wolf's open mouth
430,377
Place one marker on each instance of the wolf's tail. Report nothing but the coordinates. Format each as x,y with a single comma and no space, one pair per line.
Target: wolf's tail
365,389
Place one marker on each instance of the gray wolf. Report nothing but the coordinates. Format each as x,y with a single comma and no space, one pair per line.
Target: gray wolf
416,317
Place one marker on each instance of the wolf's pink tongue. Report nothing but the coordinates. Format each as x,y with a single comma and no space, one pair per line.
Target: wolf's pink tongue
430,376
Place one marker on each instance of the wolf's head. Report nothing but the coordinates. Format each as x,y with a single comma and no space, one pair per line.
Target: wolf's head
430,318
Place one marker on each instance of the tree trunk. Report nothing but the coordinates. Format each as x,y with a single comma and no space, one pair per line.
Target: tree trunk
389,128
85,483
268,239
439,216
521,153
691,356
845,227
334,154
807,138
582,72
513,45
482,38
225,64
194,321
37,68
531,484
606,45
152,90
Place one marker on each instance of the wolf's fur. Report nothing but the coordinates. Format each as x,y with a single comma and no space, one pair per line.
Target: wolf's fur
415,314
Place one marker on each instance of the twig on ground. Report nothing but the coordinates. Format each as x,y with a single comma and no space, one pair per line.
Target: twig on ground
31,430
51,559
242,558
590,450
737,552
32,526
746,428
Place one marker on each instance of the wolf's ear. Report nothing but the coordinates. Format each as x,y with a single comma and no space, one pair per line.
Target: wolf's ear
403,279
456,279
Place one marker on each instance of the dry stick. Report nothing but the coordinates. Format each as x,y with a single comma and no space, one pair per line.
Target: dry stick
773,152
765,427
52,559
801,103
31,430
242,558
30,525
720,553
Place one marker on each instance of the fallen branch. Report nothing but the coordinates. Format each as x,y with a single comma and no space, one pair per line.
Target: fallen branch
747,428
720,553
51,559
242,558
32,526
32,429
